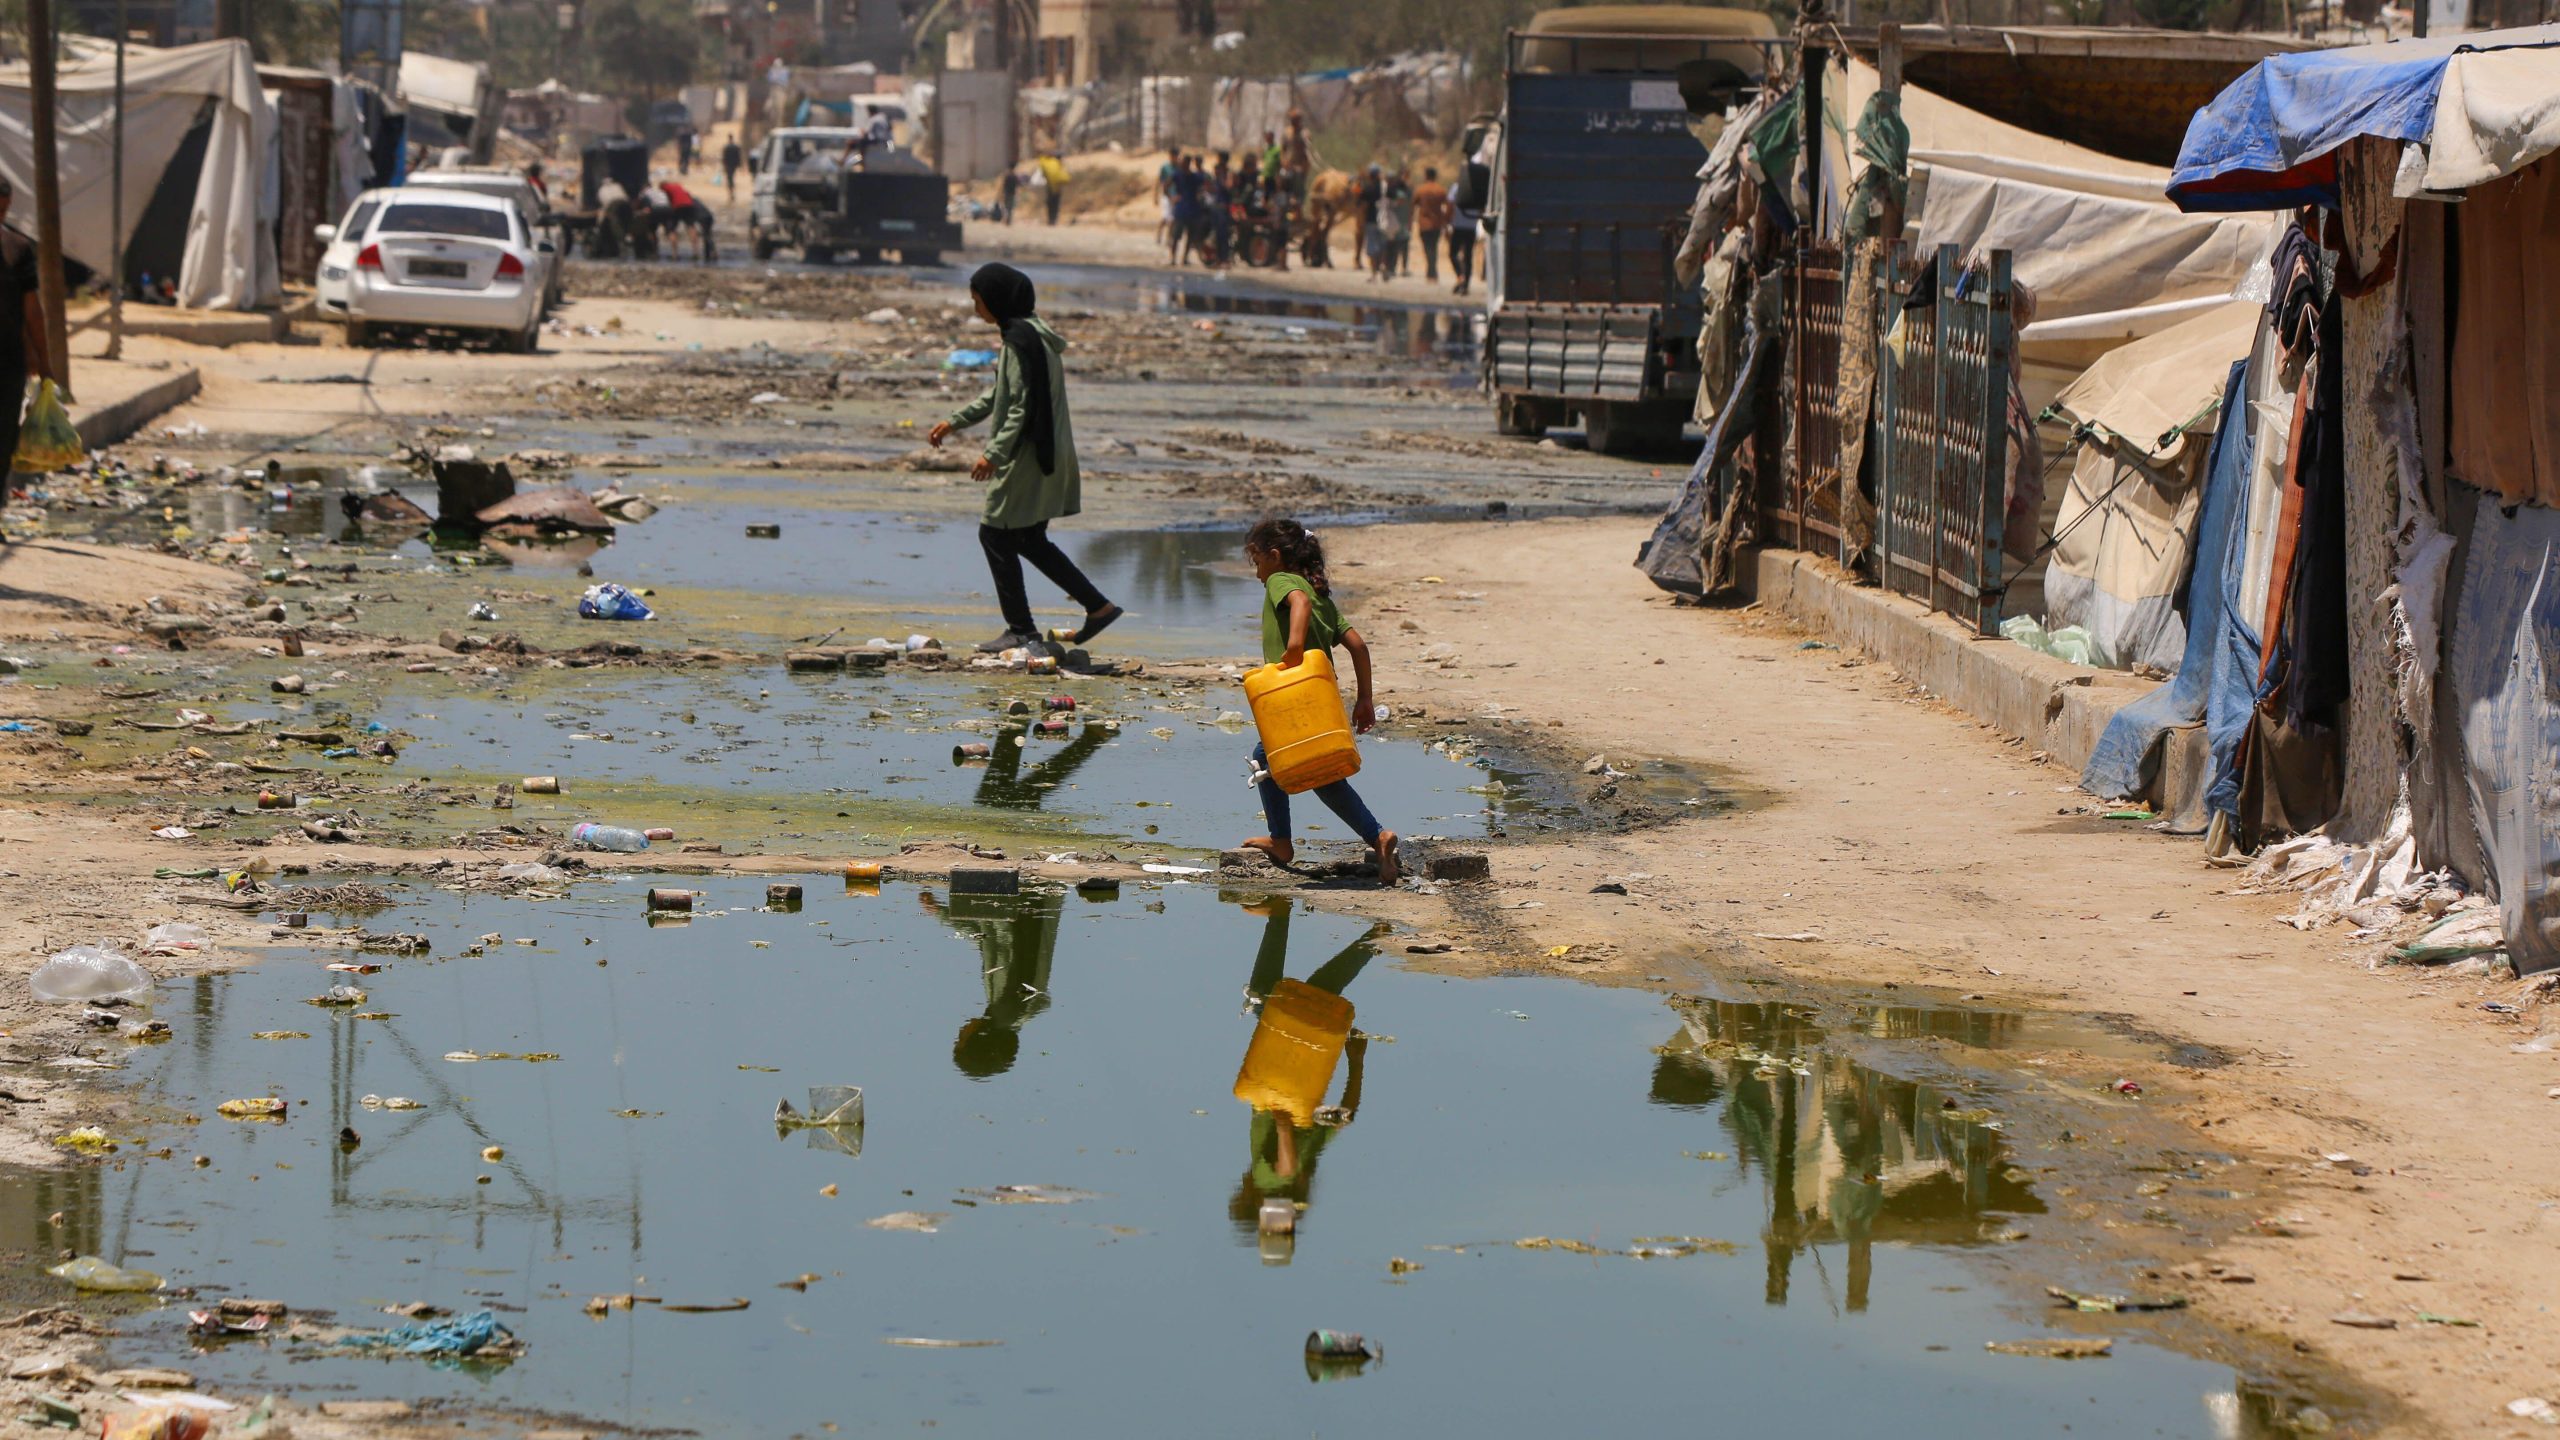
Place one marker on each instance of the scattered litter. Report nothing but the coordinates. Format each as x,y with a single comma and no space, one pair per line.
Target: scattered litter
478,1333
609,601
91,1273
88,1140
2357,1319
2534,1407
89,974
2115,1304
707,1307
1342,1345
1030,1195
282,1035
920,1342
923,1222
2058,1348
1157,869
1796,935
262,1105
173,938
968,359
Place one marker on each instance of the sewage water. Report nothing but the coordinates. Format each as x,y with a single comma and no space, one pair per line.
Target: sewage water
810,743
1099,1048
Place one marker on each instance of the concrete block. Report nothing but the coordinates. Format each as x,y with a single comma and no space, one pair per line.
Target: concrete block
1466,865
985,880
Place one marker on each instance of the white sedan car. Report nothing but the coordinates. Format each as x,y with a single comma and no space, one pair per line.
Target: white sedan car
415,260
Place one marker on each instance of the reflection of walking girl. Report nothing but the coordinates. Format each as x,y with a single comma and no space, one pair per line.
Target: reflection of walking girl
1031,457
1298,612
1303,1031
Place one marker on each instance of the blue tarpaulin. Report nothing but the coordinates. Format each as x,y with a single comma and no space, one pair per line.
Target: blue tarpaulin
2269,141
2127,754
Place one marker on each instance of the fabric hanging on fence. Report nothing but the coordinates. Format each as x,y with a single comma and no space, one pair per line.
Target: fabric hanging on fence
1691,550
1719,186
2126,760
1884,142
2506,338
2313,649
2247,571
2504,667
1859,331
1724,294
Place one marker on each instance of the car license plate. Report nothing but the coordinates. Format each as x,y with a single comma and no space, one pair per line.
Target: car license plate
437,270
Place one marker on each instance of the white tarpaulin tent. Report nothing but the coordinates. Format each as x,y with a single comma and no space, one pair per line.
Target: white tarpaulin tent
230,258
2096,238
2144,416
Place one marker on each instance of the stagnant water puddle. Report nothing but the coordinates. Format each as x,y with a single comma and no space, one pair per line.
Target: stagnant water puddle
709,753
1766,1233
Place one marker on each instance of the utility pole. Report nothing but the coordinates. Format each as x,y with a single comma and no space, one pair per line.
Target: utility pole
40,97
115,201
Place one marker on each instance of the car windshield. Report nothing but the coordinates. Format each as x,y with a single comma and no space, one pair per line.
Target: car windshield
416,218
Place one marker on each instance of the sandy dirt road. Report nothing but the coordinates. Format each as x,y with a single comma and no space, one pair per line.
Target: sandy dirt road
1926,854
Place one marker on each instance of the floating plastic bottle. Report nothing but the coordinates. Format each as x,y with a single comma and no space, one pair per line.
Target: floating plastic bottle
591,836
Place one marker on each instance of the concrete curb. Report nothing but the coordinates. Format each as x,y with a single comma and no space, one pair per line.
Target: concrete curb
119,420
2051,705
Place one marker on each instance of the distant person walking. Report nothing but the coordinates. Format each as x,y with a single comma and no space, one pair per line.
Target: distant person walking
1030,456
731,159
25,337
1006,190
684,150
1431,215
1054,170
1466,215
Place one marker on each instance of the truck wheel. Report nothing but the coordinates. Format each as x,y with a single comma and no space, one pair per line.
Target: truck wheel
818,254
1518,415
760,245
1621,428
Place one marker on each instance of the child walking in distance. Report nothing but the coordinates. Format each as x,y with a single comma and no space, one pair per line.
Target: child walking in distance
1298,612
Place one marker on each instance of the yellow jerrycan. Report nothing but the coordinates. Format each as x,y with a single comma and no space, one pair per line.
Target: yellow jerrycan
1298,1040
1306,735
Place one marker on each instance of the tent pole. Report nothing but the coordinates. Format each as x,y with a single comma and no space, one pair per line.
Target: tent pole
115,202
40,99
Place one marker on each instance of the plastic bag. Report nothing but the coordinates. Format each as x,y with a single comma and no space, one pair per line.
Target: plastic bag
91,1273
173,937
609,601
46,440
89,974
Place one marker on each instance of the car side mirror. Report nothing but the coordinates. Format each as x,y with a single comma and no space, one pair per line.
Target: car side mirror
324,233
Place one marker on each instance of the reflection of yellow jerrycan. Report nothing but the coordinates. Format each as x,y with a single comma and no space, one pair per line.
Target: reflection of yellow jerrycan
1305,734
1289,1063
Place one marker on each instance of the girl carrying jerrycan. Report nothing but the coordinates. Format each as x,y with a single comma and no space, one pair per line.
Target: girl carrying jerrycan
1296,704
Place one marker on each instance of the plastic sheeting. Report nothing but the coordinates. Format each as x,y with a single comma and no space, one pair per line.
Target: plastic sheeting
2503,665
2270,140
230,258
2130,515
2126,760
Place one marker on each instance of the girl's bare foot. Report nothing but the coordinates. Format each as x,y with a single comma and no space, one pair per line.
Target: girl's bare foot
1390,869
1280,851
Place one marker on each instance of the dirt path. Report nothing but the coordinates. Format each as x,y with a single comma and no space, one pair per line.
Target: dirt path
1925,853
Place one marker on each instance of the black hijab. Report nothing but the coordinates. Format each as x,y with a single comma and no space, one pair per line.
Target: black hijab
1009,298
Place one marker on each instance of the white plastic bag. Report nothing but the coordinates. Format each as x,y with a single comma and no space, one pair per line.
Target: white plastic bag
88,974
172,938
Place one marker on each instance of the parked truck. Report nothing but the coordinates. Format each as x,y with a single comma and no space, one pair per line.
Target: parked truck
823,190
1593,167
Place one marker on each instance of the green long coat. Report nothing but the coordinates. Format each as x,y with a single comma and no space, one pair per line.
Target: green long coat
1021,493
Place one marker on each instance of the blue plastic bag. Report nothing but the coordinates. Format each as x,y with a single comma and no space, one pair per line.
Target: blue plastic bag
609,601
968,359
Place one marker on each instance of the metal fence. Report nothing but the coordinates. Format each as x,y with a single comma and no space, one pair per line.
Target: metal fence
1802,510
1942,435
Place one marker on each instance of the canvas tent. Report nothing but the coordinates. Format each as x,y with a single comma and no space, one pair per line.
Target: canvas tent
2144,416
172,97
2107,256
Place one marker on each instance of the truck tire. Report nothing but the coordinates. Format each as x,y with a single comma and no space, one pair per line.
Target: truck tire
1518,415
760,245
1618,427
818,254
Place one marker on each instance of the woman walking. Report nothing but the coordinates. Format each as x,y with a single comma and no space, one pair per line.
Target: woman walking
1031,457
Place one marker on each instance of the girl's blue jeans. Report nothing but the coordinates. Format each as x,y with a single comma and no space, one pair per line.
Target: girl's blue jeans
1338,797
